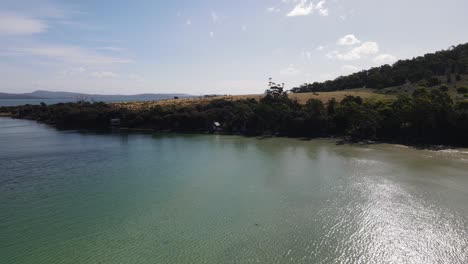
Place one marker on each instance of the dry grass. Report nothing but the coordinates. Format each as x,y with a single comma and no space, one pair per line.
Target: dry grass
301,98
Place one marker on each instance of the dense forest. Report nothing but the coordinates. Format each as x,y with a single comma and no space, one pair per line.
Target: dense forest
428,70
426,117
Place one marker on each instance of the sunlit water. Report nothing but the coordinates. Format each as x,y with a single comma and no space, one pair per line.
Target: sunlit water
69,197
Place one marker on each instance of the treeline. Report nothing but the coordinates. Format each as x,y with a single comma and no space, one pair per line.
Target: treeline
449,64
426,117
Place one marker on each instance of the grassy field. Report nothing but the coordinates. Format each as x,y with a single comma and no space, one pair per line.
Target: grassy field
370,94
301,98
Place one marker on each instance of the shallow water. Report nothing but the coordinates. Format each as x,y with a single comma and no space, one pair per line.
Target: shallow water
70,197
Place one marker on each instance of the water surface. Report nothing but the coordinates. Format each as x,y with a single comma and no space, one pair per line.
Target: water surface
74,197
106,99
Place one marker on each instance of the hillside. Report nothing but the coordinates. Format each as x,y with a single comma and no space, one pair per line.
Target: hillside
446,67
40,94
446,70
17,96
301,98
72,95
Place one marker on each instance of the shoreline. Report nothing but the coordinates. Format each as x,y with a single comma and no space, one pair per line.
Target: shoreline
338,140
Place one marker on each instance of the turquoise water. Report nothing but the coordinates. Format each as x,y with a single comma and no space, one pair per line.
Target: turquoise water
71,197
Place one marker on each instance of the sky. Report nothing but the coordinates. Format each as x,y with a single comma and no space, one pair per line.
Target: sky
212,47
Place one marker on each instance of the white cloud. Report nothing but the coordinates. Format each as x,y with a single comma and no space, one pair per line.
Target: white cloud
14,24
189,22
273,9
323,12
103,74
290,70
347,69
367,48
321,8
348,40
211,34
69,54
385,59
320,48
303,8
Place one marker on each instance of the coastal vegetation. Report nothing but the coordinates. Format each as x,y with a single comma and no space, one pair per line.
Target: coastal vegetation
425,117
428,110
301,98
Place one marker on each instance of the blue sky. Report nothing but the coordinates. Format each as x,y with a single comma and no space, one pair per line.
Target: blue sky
207,46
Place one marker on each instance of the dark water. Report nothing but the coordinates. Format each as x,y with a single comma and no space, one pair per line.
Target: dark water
69,197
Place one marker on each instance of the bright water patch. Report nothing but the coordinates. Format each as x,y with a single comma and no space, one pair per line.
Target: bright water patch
71,197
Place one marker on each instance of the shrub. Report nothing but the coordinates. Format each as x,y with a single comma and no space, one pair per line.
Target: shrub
463,105
433,81
462,90
444,88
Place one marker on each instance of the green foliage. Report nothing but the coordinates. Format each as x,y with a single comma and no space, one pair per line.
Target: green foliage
274,89
444,88
421,69
427,116
433,81
462,90
356,119
462,105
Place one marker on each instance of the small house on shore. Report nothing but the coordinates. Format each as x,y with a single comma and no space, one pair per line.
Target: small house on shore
216,127
115,122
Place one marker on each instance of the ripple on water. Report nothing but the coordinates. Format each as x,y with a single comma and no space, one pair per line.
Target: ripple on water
201,199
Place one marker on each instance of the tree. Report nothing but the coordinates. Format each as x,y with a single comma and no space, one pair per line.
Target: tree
449,78
314,107
444,88
426,70
331,107
433,81
275,89
462,90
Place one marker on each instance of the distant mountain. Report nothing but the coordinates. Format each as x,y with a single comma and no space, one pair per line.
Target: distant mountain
17,96
40,94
